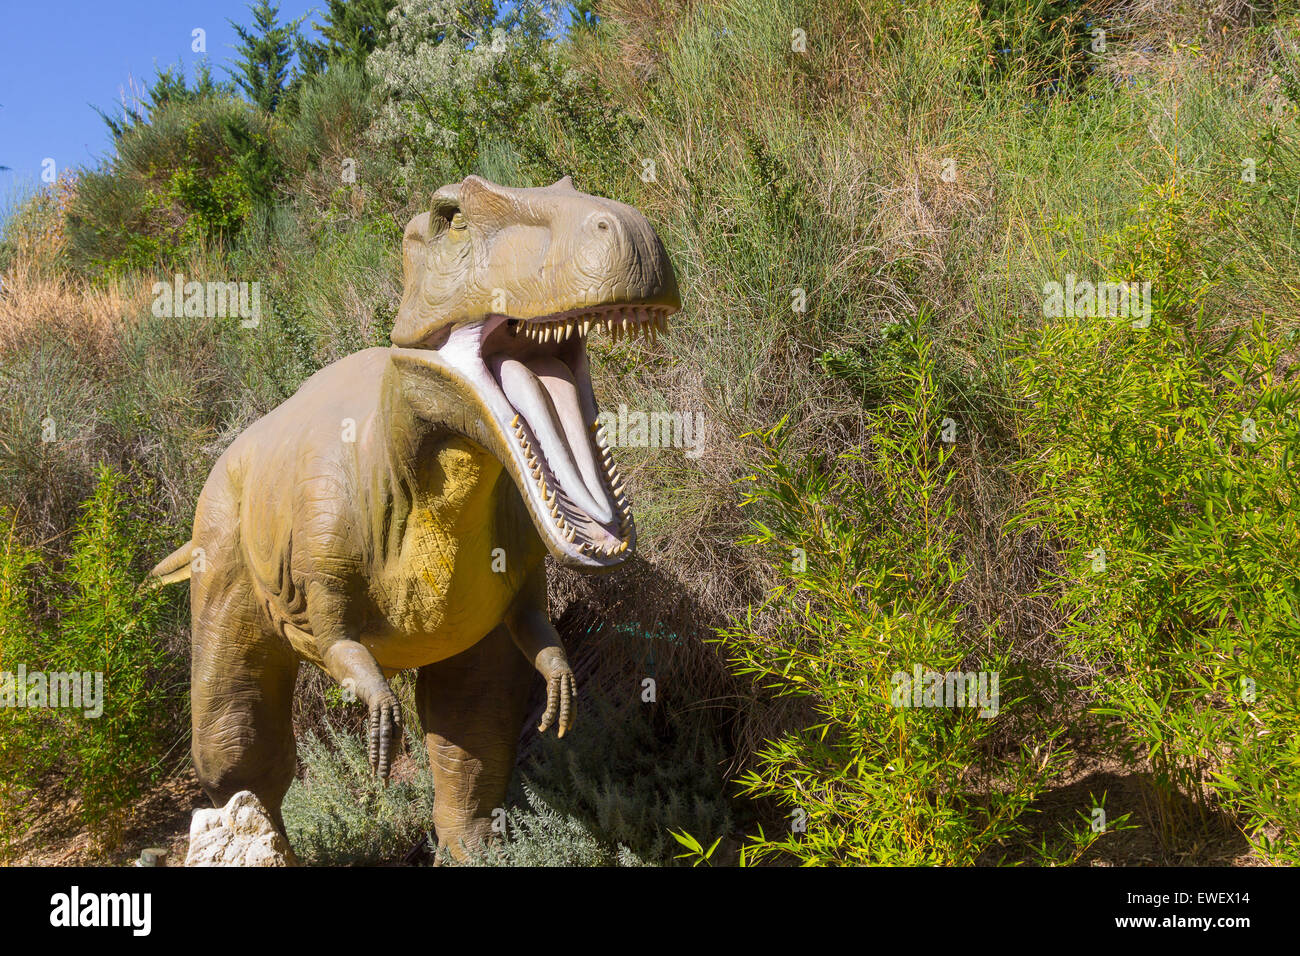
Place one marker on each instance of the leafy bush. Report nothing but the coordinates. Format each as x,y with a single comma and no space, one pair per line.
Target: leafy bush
597,798
609,793
195,173
340,814
454,75
542,835
1165,468
105,627
890,773
18,762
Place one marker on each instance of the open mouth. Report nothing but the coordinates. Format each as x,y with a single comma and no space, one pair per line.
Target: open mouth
533,377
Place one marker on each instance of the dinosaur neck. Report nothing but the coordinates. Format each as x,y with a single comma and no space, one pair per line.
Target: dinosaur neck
426,463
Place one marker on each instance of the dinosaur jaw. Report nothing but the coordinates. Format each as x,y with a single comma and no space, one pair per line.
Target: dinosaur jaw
532,379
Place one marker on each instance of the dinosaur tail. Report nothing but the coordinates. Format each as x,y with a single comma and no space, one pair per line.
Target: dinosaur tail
175,567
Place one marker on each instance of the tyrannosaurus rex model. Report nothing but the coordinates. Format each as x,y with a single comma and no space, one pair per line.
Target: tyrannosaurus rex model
396,511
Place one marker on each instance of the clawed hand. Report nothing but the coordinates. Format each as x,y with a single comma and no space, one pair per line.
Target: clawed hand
385,724
561,692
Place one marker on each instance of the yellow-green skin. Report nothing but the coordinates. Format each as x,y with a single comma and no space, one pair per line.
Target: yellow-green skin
374,523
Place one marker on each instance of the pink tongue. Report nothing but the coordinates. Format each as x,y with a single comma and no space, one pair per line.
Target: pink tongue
552,414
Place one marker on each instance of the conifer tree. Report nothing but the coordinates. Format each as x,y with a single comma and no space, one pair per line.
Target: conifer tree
263,68
352,30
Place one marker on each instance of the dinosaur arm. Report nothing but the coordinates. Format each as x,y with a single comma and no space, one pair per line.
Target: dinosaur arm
540,643
350,663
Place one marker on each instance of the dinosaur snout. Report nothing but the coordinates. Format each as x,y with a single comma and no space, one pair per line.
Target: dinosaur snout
620,259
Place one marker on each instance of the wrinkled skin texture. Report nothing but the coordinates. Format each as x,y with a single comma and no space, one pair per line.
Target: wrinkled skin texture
395,513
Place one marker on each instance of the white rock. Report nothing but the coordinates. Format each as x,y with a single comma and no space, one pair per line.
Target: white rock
239,834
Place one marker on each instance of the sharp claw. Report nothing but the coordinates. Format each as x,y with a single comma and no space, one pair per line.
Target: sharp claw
551,706
566,705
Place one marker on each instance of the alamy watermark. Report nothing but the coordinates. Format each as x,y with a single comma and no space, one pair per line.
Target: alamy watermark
927,688
75,690
655,430
1078,298
208,300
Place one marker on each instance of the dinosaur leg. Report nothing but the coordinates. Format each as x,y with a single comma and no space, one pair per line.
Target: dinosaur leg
472,707
241,695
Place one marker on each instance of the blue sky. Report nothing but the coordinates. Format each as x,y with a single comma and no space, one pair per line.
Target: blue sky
60,58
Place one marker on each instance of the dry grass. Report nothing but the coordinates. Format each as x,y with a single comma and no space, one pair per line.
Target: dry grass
91,316
38,293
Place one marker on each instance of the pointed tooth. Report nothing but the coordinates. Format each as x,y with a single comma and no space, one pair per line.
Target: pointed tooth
570,535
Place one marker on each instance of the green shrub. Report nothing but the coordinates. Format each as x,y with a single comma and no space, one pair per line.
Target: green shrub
1164,465
195,173
866,575
18,727
609,793
606,795
340,814
542,835
452,76
105,627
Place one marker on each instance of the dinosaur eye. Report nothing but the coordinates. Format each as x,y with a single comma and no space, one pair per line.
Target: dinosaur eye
457,221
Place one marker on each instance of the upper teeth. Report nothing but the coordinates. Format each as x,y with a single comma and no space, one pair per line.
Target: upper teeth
617,321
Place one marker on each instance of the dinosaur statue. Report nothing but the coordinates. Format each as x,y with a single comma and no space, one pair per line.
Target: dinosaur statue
394,513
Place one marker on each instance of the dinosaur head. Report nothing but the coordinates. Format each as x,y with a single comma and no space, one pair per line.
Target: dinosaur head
502,288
